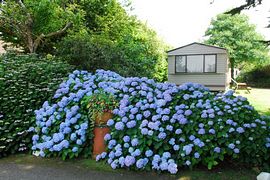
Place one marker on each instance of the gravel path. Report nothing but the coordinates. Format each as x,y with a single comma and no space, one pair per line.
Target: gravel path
15,171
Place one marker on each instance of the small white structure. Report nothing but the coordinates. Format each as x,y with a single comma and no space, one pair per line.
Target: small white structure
263,176
199,63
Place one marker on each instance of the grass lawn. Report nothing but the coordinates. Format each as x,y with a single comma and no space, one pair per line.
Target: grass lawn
220,173
259,98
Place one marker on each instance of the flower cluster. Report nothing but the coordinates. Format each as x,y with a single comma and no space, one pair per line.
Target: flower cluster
157,126
63,127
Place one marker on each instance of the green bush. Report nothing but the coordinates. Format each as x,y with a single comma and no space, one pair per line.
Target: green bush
90,53
25,83
258,77
156,126
128,57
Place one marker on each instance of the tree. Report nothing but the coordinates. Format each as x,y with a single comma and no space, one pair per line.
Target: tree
116,41
139,54
29,23
247,5
240,38
90,34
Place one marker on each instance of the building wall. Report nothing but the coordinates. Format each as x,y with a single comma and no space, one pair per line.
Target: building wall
171,65
196,49
218,81
222,65
205,79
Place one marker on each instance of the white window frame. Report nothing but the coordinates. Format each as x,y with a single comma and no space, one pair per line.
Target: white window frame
186,62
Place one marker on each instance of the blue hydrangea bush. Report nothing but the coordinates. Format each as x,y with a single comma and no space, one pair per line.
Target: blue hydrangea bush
158,126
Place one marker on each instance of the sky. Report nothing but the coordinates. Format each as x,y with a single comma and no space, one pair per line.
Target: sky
180,22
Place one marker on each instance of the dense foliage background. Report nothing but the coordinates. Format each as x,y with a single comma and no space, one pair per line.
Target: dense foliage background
89,34
25,83
256,76
244,45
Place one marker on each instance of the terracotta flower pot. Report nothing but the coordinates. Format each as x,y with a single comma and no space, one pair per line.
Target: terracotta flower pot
103,118
99,143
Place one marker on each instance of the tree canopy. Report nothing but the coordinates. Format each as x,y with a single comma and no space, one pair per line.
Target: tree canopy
91,34
28,23
247,5
239,37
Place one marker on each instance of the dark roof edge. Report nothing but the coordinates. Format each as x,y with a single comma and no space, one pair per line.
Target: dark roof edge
199,44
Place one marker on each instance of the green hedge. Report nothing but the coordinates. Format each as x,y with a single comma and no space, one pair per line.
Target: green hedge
129,58
25,83
258,77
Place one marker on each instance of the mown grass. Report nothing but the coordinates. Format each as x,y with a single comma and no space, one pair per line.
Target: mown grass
259,98
226,172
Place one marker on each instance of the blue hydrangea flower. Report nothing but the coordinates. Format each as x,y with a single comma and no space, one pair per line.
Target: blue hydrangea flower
35,137
172,168
110,122
188,163
119,126
126,138
191,137
187,149
212,131
188,112
148,153
201,131
140,163
134,142
236,150
196,155
231,146
107,137
129,160
217,149
162,135
74,149
178,131
240,130
176,147
169,127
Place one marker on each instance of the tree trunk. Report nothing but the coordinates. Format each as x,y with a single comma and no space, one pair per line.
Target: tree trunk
33,44
30,45
232,68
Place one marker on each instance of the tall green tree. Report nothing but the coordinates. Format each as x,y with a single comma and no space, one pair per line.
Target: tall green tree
239,37
28,23
115,40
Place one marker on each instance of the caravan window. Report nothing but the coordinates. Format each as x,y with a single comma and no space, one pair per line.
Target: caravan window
210,63
196,63
180,63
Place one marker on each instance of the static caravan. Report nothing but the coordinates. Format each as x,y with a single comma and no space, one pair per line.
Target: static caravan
199,63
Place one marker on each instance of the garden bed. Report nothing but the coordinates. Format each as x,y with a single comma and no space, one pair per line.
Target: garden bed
155,126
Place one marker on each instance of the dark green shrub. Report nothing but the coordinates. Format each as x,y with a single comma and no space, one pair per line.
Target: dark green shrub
128,57
258,77
91,53
25,83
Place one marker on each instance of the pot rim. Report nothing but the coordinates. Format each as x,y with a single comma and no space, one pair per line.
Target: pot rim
101,126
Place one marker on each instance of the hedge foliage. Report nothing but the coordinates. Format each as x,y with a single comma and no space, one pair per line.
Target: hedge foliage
158,126
140,57
25,83
258,77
